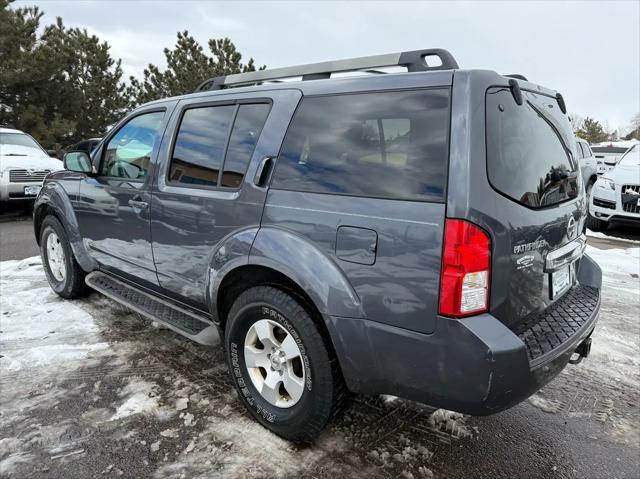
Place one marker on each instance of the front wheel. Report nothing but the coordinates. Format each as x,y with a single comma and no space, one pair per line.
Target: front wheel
285,373
64,274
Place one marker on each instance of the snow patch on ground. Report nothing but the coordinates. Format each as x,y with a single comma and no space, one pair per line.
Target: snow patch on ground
626,432
616,341
141,398
35,326
452,422
546,405
597,234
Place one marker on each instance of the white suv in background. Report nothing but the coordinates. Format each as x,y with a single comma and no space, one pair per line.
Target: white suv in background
608,153
588,165
616,195
23,165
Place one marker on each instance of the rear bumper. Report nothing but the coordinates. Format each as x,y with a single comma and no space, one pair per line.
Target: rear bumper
475,365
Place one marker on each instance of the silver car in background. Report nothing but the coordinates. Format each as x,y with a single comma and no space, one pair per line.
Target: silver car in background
24,164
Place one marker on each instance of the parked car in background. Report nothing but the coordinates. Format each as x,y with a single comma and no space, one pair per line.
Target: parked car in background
588,165
23,165
85,145
414,234
609,153
616,194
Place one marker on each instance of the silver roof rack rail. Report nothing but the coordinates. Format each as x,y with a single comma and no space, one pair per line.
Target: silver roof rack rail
414,61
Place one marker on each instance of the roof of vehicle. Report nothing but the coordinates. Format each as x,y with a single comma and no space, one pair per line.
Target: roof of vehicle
11,130
349,75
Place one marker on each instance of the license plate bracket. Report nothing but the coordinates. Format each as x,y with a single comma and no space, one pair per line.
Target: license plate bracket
561,280
32,190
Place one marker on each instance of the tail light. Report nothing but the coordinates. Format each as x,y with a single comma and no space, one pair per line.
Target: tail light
466,270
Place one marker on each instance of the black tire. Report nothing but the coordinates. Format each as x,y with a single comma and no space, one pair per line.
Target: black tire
73,285
324,394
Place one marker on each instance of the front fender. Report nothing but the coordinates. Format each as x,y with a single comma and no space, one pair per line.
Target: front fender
54,196
312,269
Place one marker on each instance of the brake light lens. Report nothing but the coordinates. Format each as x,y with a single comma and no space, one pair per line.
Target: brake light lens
466,270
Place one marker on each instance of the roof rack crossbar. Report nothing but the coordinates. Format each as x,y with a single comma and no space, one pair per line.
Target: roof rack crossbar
414,61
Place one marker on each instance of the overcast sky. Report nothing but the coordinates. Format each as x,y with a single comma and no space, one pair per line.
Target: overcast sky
589,51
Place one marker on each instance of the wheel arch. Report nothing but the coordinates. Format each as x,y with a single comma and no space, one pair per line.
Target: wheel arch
54,200
248,276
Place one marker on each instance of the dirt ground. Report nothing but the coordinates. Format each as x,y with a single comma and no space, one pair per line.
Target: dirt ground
88,389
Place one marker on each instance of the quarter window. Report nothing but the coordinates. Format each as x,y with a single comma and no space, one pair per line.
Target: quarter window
128,152
387,145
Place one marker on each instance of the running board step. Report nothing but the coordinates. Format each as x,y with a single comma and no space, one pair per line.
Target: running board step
187,323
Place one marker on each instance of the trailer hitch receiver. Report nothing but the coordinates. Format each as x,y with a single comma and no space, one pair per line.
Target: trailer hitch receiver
583,350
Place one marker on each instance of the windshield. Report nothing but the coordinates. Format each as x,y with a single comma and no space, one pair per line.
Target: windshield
631,157
530,149
19,139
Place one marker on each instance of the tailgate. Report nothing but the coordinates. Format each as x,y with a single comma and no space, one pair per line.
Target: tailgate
540,206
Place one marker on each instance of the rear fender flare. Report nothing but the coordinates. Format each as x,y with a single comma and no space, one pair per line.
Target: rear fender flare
311,269
230,253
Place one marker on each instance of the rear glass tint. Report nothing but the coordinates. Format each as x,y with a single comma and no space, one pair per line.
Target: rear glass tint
529,149
386,145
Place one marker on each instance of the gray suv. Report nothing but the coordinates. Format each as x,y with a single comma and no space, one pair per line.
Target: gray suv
417,234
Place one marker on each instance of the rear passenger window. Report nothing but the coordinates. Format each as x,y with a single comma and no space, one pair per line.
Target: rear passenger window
199,148
246,131
579,150
199,153
387,145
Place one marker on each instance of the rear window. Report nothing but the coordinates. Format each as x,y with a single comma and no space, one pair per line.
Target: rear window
386,145
529,157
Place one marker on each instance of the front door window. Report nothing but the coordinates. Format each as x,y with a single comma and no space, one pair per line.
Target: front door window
128,152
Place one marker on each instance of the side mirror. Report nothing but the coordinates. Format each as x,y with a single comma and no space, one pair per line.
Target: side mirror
78,161
52,153
611,161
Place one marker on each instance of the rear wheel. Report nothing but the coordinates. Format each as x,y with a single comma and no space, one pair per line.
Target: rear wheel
284,372
64,274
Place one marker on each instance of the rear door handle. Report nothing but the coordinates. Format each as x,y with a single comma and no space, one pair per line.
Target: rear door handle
264,170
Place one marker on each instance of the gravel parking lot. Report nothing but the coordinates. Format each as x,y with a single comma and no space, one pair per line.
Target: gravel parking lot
89,389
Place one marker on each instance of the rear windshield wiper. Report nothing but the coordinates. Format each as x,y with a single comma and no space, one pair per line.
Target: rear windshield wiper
15,154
